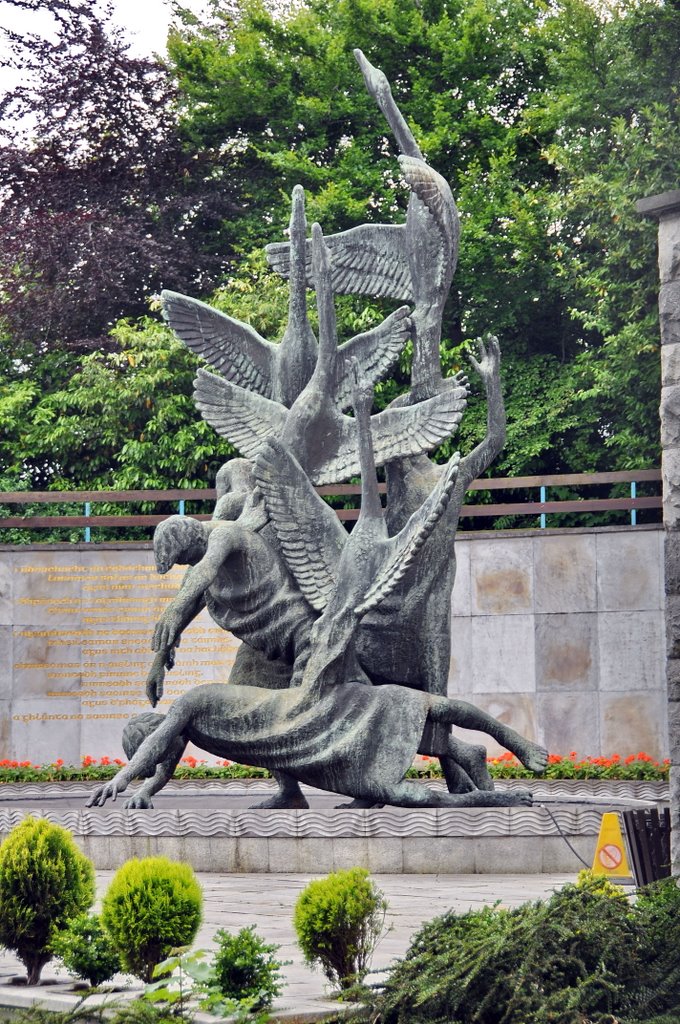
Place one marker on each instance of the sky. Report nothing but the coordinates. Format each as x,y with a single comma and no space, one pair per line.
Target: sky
146,21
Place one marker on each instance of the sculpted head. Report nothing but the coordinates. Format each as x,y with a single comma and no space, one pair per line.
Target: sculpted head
237,495
235,477
178,540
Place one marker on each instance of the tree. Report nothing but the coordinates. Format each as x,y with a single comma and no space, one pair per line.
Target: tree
548,119
101,203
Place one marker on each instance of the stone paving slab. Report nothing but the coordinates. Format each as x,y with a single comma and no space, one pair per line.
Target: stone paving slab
236,900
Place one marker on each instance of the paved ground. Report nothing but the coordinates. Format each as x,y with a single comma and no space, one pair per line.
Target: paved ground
267,901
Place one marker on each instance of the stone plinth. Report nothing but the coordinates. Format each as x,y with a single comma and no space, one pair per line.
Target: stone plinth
666,209
211,826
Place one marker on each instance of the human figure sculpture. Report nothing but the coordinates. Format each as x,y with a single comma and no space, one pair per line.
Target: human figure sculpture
281,410
330,730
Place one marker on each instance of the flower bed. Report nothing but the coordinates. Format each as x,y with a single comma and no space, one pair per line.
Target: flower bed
635,766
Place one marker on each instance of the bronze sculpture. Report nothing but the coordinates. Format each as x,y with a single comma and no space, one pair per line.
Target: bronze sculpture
340,632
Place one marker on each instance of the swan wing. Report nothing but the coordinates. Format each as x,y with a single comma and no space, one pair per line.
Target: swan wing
396,433
233,348
367,260
245,418
415,429
404,547
434,193
376,352
309,532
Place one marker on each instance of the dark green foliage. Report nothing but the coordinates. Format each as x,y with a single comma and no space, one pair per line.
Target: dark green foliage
127,1011
151,907
85,949
657,910
45,881
244,967
549,118
584,955
339,921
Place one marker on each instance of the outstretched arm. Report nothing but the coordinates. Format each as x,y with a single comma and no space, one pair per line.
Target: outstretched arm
154,751
185,606
480,458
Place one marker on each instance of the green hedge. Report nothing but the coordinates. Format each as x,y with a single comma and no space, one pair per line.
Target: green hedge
634,766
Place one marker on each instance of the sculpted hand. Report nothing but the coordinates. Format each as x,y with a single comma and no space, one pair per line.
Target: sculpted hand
459,380
167,629
489,354
154,682
139,801
108,792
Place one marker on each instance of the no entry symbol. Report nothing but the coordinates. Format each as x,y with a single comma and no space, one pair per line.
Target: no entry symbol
610,856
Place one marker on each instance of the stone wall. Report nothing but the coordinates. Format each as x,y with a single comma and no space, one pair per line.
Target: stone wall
558,633
561,634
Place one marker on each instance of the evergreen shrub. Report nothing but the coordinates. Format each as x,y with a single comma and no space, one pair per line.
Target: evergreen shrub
339,921
245,967
85,950
45,881
585,955
152,906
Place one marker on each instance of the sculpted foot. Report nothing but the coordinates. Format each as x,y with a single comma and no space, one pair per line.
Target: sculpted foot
360,805
284,801
514,798
476,767
139,802
479,798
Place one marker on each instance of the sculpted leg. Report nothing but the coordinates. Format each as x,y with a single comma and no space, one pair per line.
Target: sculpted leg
458,712
470,759
415,794
289,795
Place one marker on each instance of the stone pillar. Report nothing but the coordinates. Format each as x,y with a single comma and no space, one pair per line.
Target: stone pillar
666,209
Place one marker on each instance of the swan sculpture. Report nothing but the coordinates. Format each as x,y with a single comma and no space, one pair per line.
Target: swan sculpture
322,438
412,262
281,371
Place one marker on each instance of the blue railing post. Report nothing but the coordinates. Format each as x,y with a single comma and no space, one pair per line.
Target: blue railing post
180,506
633,511
543,513
87,528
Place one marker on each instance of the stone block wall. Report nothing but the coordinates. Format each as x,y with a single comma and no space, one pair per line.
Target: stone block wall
561,634
558,633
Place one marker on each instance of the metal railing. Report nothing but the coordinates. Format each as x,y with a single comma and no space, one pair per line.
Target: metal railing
543,507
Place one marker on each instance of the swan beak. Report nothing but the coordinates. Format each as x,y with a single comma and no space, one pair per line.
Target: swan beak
375,79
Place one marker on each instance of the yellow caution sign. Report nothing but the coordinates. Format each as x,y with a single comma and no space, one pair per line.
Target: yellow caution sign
610,854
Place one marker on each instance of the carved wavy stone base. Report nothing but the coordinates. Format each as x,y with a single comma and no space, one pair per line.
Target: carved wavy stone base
317,840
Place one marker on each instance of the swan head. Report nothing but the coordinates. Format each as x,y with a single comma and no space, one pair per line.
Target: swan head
321,257
298,221
375,79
